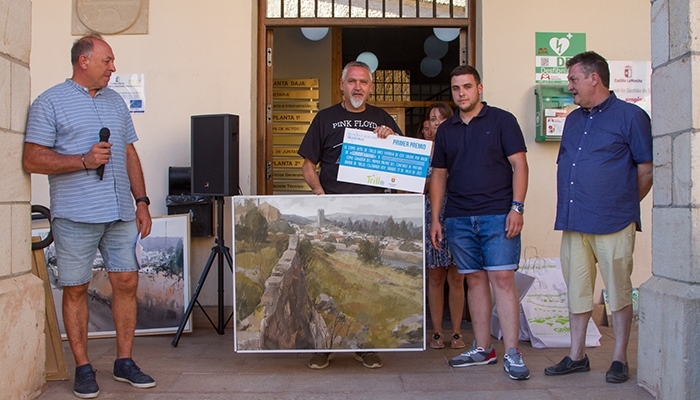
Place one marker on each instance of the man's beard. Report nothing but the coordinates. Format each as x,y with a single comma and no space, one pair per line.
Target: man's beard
468,108
357,103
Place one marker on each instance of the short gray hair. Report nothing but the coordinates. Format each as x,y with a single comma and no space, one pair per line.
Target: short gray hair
356,64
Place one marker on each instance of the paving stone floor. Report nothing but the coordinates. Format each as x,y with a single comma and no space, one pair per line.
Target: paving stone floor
204,366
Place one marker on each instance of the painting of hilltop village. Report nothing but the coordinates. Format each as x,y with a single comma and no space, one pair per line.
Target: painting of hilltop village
331,272
163,289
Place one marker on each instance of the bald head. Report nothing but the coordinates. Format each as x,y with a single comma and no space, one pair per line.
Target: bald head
93,62
83,47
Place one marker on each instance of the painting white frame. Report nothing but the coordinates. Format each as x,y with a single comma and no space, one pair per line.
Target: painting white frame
335,320
164,232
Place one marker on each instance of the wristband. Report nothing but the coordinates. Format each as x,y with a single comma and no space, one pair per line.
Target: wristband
82,159
144,199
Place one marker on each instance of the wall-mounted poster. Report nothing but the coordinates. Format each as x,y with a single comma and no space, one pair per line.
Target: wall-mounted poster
331,272
132,89
552,51
163,292
631,82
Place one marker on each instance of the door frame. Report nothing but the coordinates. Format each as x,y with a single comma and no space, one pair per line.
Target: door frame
265,67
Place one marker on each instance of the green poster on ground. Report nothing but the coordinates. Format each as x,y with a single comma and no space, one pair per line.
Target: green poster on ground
552,49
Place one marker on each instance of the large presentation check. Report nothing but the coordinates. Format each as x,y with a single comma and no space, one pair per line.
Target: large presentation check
397,162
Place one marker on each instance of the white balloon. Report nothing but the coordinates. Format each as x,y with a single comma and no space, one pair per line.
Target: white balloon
370,59
446,34
314,34
430,67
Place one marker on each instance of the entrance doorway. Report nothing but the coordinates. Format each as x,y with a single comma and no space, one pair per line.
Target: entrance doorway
396,29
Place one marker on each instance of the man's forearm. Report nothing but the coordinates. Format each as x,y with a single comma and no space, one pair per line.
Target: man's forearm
135,172
308,171
42,160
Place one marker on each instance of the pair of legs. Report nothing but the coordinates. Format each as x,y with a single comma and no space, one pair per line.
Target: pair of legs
507,304
622,322
75,315
489,258
76,245
613,253
436,296
482,251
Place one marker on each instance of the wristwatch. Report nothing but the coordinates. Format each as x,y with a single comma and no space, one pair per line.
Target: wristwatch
145,199
518,207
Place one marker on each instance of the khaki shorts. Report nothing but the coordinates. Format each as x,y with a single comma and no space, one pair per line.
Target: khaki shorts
613,252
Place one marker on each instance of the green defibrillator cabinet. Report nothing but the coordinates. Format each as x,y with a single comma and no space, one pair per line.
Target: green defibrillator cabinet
553,103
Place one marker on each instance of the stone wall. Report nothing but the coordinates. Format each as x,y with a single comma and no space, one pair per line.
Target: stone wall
23,349
669,313
290,320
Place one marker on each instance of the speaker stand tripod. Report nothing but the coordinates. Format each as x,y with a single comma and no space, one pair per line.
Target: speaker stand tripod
219,252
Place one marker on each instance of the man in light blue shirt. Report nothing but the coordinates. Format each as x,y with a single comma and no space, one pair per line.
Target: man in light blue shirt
92,182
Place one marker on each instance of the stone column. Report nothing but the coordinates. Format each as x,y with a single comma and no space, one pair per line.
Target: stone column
669,320
22,343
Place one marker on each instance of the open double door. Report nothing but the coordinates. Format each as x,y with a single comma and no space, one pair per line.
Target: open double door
279,26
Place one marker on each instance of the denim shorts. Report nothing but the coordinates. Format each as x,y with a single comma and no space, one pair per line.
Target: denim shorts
77,244
480,243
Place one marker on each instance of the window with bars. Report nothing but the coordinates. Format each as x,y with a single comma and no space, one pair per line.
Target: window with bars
367,9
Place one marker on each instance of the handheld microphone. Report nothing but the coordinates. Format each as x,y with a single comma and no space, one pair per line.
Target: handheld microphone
104,136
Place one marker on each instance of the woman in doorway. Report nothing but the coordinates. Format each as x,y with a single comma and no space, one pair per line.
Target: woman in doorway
424,129
439,262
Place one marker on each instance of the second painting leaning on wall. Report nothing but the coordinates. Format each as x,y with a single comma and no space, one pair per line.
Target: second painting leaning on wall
331,272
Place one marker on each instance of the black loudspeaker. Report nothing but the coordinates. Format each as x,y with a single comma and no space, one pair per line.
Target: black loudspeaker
214,155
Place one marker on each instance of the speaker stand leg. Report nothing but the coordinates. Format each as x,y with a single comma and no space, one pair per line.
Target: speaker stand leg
221,252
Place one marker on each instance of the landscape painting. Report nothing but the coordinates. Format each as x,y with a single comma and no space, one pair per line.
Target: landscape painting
163,290
330,272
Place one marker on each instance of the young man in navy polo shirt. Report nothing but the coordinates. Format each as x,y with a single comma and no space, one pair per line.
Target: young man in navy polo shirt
479,163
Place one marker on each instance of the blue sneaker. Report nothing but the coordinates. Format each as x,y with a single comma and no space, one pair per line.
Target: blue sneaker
475,356
85,385
514,365
125,370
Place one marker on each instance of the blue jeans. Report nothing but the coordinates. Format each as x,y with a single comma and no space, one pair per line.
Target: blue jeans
480,243
77,244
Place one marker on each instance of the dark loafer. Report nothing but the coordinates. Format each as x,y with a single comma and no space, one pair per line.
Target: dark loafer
618,372
567,366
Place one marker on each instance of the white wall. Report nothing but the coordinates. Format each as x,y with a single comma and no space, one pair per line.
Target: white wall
618,30
198,58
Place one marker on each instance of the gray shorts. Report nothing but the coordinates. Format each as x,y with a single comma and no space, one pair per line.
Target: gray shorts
77,244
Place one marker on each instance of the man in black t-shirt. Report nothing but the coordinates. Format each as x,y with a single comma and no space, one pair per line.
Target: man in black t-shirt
323,143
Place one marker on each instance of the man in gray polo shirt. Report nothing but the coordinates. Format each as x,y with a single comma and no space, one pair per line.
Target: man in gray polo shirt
92,182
